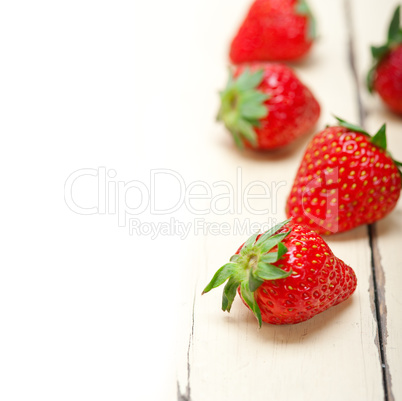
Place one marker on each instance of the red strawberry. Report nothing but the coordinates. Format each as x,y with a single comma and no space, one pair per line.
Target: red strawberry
285,276
346,179
265,106
274,30
386,75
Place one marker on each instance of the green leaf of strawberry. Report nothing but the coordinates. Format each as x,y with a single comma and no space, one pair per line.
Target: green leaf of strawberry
379,51
380,138
221,276
303,8
394,26
229,293
248,296
351,126
267,271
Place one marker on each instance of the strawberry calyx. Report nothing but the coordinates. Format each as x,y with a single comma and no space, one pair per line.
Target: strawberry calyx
250,267
242,106
394,39
302,8
379,139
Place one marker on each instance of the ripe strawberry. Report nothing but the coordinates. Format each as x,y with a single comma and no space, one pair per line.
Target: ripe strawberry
385,77
346,179
265,106
286,275
274,30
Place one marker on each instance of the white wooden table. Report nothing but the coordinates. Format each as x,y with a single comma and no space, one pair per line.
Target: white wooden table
353,351
94,307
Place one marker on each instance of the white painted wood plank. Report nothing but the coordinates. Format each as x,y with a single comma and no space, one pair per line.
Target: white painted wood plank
371,29
333,356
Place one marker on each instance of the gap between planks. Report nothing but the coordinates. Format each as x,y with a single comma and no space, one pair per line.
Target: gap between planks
186,396
377,282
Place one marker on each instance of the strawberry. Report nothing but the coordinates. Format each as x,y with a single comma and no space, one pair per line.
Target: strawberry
385,77
346,178
274,30
265,106
286,275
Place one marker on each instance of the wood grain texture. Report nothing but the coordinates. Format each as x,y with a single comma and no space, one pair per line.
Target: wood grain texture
371,29
336,355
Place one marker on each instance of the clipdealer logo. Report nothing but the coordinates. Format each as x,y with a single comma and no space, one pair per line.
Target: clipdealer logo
152,207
